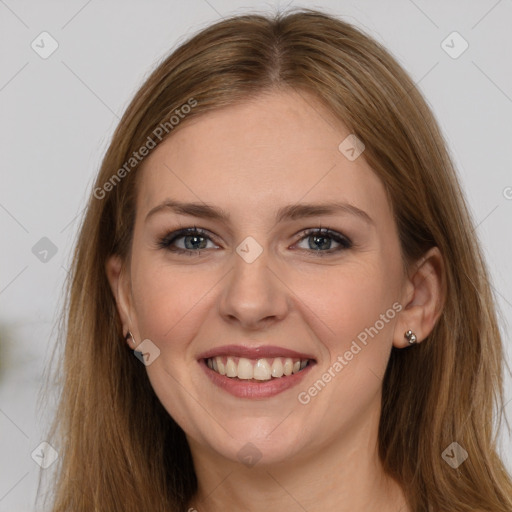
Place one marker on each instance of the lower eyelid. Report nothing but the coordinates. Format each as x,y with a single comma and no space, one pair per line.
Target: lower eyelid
342,245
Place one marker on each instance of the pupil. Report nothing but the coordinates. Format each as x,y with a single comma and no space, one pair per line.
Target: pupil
195,240
325,245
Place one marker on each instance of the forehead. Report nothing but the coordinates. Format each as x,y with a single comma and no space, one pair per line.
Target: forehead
275,149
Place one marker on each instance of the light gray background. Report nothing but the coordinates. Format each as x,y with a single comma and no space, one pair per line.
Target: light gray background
59,113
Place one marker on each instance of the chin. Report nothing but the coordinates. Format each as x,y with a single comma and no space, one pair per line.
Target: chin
252,444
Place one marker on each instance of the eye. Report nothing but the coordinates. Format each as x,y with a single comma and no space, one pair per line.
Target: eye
193,241
320,240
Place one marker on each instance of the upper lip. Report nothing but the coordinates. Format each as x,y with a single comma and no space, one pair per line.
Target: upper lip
262,351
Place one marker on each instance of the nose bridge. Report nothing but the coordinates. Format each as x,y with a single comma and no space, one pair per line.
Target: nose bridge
252,293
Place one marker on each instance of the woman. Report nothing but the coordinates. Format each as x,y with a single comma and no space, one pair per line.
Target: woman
278,234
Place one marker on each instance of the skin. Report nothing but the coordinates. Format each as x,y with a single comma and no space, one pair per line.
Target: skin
250,159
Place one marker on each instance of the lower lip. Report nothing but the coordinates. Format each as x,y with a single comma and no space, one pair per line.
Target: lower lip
255,389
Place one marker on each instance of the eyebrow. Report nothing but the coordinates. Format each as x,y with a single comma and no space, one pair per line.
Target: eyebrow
289,212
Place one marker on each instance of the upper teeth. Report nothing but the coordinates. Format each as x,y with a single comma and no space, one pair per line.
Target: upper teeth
259,369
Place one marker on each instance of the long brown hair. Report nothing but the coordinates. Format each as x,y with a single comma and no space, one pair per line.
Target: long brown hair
119,448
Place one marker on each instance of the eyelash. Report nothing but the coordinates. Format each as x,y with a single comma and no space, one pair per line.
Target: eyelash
170,238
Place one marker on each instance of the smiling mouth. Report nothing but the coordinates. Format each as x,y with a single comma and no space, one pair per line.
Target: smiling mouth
261,369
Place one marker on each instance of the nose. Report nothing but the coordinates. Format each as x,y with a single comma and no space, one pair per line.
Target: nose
253,297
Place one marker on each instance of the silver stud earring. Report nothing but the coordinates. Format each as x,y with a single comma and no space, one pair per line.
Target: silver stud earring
411,337
130,335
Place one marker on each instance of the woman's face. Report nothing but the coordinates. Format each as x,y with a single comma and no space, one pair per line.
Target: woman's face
260,290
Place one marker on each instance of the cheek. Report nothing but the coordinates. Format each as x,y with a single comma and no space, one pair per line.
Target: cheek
356,305
353,301
166,298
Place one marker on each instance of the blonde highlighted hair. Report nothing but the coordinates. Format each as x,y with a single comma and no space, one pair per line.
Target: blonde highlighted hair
120,450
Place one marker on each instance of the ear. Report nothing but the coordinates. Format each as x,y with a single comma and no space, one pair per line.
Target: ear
121,288
423,296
